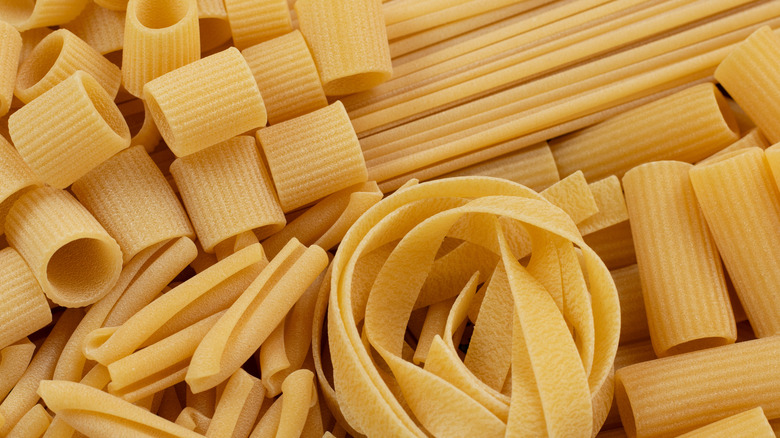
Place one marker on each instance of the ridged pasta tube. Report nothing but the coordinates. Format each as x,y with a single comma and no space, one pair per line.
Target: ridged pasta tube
40,13
24,306
16,177
10,50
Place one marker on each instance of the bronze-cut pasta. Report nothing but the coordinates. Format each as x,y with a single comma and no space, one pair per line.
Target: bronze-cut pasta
238,407
16,178
30,39
348,41
69,130
633,318
255,21
40,13
312,156
239,197
11,43
213,24
32,425
610,203
752,138
287,77
129,196
206,102
192,419
299,396
748,424
103,29
24,306
74,259
574,196
14,360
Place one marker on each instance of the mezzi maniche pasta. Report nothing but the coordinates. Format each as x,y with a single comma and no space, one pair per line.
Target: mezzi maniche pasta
216,219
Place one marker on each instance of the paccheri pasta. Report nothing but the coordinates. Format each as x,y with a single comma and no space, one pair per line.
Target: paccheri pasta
219,205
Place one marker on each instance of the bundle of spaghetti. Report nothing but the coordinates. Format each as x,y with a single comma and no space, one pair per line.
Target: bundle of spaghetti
69,130
206,102
129,196
750,76
673,395
287,77
139,120
312,156
633,318
751,423
73,258
160,36
213,24
11,43
349,57
326,222
255,21
103,29
739,199
16,177
753,138
445,396
238,406
14,360
29,15
24,306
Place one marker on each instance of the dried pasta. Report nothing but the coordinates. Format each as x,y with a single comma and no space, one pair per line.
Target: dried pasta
103,29
11,43
574,196
298,390
114,5
74,259
240,194
32,425
610,203
206,102
24,306
69,130
633,318
193,420
213,24
751,423
41,13
312,156
238,407
753,138
15,178
255,21
14,360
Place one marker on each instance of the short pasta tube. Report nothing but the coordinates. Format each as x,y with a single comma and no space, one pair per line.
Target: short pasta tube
41,13
33,424
24,306
740,202
58,56
15,178
751,75
74,259
10,50
14,360
287,77
673,395
206,102
114,5
348,40
213,24
160,36
255,21
312,156
101,28
238,406
684,288
748,424
69,130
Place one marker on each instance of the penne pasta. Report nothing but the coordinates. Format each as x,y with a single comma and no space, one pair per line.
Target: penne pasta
16,178
255,21
24,306
103,29
11,44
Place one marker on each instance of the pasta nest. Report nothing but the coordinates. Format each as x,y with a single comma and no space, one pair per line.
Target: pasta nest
544,306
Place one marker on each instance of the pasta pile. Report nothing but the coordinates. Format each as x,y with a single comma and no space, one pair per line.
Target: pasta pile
258,218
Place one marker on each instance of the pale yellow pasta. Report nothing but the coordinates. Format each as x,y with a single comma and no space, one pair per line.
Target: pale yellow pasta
74,259
41,13
23,397
753,138
299,396
11,43
348,41
750,75
206,102
58,56
772,155
160,36
213,24
573,195
614,245
101,28
326,222
633,318
15,179
69,130
269,421
14,360
30,39
129,196
703,124
628,354
194,420
673,395
748,424
97,377
142,128
255,314
32,425
239,197
678,262
24,306
740,202
238,407
255,21
287,77
170,406
272,359
435,321
96,413
611,206
312,156
205,402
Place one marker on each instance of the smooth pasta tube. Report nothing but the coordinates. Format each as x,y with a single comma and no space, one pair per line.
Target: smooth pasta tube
24,306
213,24
41,13
206,102
683,285
239,197
16,177
58,56
130,197
101,28
740,202
702,124
348,41
749,424
287,77
255,21
69,130
73,258
673,395
11,49
14,360
312,156
238,406
160,36
751,75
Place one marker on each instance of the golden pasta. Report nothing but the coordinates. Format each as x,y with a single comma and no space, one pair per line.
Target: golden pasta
11,43
14,360
772,155
238,407
312,156
610,203
287,77
299,396
614,245
348,41
32,425
193,420
752,423
74,259
255,21
753,138
574,196
101,28
240,195
69,130
114,5
213,24
30,39
15,179
206,102
41,13
24,306
633,318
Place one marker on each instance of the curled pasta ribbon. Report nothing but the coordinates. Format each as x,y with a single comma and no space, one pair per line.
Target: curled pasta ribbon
562,329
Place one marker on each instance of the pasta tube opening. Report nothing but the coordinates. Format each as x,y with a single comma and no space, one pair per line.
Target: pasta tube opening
626,410
160,14
82,265
42,59
16,12
106,108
